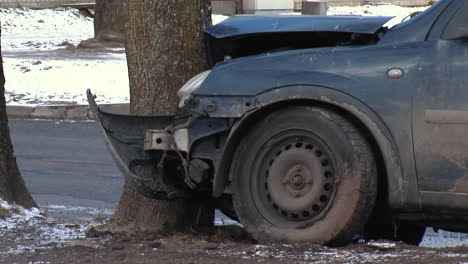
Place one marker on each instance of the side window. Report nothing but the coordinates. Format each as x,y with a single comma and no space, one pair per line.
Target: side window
457,28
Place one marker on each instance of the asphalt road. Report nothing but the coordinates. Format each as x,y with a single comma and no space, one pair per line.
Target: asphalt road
66,163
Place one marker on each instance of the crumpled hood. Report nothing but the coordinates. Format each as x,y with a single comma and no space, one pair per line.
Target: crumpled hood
246,25
242,36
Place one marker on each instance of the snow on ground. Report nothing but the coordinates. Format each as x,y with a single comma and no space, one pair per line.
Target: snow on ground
43,79
26,29
34,225
370,252
443,239
52,82
400,13
27,231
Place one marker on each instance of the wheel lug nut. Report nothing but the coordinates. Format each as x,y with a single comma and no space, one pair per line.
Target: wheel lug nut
285,180
309,180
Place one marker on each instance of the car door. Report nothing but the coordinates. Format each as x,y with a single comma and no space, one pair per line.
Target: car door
440,114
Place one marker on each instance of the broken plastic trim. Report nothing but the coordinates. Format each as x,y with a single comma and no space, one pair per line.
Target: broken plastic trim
124,138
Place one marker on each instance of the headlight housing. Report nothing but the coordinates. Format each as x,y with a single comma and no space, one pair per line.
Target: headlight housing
192,85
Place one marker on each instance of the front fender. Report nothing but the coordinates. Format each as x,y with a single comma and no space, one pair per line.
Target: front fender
250,76
322,95
237,97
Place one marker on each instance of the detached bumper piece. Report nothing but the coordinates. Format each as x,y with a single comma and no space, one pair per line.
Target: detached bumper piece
156,174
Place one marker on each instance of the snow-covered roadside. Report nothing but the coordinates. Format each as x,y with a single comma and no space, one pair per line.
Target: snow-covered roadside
28,231
47,81
26,29
52,82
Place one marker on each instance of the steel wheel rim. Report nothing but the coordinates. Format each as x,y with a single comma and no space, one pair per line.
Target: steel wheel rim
294,178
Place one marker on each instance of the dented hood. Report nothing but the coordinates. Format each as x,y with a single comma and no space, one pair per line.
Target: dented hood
247,25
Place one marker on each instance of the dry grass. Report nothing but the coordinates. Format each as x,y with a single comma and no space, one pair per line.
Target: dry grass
5,213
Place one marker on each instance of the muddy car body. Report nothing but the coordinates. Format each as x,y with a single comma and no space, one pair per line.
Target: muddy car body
317,128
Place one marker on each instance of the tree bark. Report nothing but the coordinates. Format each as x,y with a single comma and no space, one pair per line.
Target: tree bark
165,48
12,186
109,20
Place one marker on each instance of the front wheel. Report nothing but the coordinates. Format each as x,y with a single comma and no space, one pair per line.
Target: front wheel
304,174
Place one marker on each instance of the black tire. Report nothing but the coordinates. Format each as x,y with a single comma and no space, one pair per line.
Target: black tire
304,174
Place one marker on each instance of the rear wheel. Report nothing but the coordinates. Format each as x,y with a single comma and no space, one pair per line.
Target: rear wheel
304,174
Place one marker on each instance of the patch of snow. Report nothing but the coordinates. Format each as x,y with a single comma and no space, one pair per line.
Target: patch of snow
318,254
454,255
43,29
32,83
218,18
383,245
443,239
90,212
222,220
34,225
399,13
19,216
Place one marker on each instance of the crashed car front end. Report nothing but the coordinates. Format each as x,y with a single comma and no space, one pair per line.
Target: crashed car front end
173,157
154,152
304,127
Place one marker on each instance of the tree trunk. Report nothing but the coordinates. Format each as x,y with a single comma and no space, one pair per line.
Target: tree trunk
109,20
239,6
165,48
12,187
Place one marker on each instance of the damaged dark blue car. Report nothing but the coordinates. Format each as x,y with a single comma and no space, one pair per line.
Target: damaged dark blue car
316,129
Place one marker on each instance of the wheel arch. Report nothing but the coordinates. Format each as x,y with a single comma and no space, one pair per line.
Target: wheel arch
389,165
